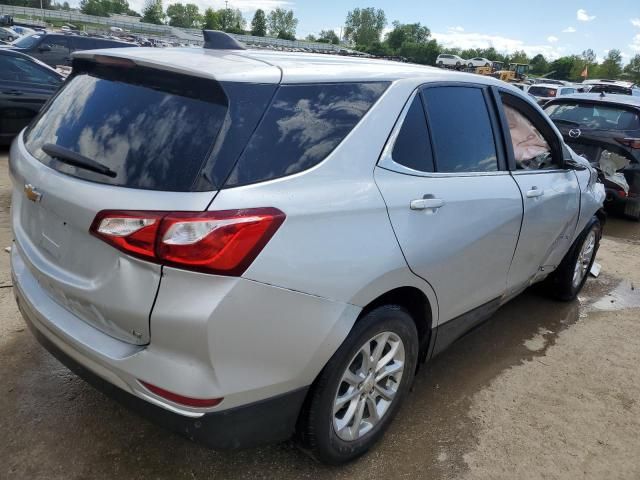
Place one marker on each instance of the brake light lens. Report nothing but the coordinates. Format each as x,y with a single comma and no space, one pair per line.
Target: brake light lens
629,142
223,242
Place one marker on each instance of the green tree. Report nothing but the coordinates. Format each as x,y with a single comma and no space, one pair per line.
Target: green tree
231,20
425,53
364,26
259,24
282,23
93,7
611,67
185,16
519,56
210,19
328,36
632,70
153,12
539,65
562,67
407,33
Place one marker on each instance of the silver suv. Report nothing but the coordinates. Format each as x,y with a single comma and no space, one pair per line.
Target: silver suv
250,245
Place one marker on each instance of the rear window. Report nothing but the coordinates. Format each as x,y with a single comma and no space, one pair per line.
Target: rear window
155,131
303,125
595,116
542,91
27,41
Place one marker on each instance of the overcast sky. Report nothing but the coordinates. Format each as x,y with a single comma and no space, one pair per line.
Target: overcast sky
551,27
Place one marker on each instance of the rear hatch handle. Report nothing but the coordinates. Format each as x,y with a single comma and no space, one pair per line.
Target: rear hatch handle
72,158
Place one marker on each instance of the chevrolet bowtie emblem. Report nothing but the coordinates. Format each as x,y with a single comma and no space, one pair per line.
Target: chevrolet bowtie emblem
31,193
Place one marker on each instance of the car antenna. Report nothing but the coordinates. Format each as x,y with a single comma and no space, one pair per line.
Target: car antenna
217,40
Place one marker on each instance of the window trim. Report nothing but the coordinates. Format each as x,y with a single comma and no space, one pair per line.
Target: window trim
539,122
387,162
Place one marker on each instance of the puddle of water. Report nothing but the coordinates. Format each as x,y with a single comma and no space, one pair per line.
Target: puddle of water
623,297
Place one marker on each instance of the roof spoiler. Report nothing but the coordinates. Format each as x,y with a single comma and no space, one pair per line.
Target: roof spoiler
217,40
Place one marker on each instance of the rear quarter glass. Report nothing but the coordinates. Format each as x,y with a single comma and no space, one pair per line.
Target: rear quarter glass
157,130
301,127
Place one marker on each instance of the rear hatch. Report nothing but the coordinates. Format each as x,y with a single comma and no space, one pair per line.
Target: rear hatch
157,138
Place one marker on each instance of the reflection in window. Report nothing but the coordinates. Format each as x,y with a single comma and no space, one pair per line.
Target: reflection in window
152,139
301,127
461,129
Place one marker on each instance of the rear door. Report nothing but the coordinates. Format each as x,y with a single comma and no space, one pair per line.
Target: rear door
551,193
156,131
454,207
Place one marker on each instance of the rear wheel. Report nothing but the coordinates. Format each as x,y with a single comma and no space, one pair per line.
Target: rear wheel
441,64
569,278
470,65
360,390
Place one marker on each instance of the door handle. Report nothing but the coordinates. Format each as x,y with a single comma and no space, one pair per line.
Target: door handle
535,192
426,203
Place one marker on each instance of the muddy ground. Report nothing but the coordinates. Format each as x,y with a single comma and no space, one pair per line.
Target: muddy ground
543,390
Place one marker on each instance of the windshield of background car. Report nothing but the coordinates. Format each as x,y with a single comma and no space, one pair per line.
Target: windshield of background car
596,116
27,41
610,89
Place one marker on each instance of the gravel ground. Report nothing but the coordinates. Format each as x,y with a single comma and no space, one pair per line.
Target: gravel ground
543,390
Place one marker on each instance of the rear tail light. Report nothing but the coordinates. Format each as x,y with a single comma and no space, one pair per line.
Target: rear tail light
629,142
224,242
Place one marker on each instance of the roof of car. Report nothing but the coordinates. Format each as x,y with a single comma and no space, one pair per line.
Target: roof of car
280,67
596,97
547,85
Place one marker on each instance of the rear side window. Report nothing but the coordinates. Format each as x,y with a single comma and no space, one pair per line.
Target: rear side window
461,129
303,125
542,91
412,148
155,131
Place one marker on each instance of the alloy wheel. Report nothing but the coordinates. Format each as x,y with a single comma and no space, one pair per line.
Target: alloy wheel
584,258
368,386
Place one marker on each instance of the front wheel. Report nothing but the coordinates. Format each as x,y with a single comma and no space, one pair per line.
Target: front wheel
361,388
570,276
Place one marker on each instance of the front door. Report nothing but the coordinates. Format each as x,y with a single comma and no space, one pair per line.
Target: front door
551,194
453,205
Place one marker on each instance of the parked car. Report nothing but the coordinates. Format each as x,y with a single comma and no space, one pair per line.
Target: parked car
8,35
522,86
479,62
446,59
25,85
545,92
55,49
605,129
214,237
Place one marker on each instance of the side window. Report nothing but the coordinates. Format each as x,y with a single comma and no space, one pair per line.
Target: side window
530,148
57,44
412,148
461,129
301,127
25,71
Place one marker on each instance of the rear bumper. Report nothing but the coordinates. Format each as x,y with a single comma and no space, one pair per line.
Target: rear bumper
267,421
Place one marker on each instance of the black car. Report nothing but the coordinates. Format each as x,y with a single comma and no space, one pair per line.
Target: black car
605,129
55,49
25,85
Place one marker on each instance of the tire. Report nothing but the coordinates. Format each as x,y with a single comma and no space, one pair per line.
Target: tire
471,65
441,64
487,65
563,283
458,64
327,425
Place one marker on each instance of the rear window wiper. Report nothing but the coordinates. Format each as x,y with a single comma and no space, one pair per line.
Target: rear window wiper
70,157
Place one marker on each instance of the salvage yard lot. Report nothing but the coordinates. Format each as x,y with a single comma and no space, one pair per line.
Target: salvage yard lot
543,390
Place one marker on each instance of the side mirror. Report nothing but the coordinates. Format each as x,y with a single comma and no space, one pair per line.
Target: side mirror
571,164
44,48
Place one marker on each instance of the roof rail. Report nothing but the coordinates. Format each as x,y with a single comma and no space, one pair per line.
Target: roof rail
217,40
